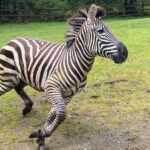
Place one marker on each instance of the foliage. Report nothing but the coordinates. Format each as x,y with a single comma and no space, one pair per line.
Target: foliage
46,10
65,4
49,3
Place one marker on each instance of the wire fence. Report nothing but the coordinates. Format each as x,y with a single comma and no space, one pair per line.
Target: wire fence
31,14
20,15
129,10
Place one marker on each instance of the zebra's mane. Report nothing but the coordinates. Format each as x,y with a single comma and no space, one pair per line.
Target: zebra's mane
76,21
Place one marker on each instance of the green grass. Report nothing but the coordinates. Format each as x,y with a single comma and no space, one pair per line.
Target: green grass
101,104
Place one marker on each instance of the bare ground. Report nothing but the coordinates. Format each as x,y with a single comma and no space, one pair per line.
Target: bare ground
126,136
133,135
109,139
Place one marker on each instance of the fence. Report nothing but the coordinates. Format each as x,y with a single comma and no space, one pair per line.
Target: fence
31,15
8,15
146,8
130,10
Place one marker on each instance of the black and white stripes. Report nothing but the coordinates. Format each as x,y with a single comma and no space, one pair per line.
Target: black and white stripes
33,60
58,69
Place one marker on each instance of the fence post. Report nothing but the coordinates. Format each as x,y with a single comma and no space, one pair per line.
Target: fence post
142,7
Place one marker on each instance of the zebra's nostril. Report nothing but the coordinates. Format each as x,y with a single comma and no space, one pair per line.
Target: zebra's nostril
122,50
124,53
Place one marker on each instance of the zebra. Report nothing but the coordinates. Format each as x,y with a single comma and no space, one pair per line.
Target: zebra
58,69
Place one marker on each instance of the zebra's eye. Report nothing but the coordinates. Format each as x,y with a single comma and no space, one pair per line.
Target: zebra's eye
100,31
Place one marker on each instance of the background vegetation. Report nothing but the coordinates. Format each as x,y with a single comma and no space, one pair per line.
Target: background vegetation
46,10
66,4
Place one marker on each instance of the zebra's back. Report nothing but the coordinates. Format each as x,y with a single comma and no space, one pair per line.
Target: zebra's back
33,60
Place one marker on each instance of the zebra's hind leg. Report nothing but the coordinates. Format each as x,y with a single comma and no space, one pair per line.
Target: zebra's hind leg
28,103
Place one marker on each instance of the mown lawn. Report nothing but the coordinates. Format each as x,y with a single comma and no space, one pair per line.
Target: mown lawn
114,93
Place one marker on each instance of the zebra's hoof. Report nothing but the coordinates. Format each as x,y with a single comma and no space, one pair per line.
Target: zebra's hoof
41,142
27,109
40,139
41,147
36,134
33,135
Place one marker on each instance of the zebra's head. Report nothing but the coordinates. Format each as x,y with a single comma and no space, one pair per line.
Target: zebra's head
99,39
96,36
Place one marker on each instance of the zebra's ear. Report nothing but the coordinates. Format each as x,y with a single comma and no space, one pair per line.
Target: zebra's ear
95,12
92,13
100,12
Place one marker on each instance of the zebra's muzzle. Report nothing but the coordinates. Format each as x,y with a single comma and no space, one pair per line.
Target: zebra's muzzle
122,53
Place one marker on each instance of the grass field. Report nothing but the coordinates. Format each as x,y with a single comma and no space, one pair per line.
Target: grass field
115,95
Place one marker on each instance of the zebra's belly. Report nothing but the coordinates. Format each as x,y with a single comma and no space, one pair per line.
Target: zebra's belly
73,90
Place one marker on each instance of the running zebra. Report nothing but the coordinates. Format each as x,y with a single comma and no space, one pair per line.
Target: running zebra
58,69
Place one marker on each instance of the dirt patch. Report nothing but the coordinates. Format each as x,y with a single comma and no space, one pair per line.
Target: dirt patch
127,91
126,136
97,85
116,81
94,96
148,91
108,139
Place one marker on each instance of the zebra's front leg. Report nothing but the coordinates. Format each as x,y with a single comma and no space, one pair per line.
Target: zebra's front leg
28,103
56,116
52,114
39,135
49,129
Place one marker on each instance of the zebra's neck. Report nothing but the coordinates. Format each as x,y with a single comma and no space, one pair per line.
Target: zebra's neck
83,56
